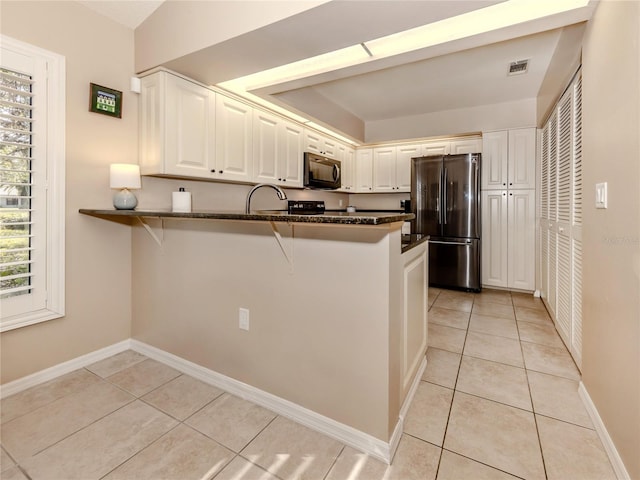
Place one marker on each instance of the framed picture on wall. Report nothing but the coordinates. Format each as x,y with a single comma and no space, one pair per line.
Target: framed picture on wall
105,100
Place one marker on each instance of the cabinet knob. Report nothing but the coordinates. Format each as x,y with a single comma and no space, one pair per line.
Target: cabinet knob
284,179
510,183
504,184
221,171
511,194
213,171
504,194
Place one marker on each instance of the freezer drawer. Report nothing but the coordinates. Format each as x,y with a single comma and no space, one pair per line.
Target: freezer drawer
454,263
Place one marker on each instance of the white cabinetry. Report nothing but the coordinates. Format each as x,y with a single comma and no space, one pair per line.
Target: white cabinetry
470,145
320,144
508,239
392,167
508,209
177,127
234,122
494,238
508,159
384,169
277,150
404,155
347,157
364,170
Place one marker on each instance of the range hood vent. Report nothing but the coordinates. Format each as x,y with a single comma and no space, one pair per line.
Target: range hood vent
519,67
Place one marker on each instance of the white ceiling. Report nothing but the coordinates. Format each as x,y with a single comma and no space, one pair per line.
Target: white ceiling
458,74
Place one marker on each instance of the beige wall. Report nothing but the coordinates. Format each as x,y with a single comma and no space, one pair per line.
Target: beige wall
325,339
454,122
611,146
98,253
179,28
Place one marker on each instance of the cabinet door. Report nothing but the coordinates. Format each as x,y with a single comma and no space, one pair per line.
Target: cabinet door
364,170
265,147
522,158
495,151
436,148
521,244
494,238
330,148
471,145
384,169
290,151
346,155
234,122
404,154
189,130
151,130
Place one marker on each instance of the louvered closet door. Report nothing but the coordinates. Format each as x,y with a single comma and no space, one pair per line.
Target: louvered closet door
544,214
553,210
576,227
564,166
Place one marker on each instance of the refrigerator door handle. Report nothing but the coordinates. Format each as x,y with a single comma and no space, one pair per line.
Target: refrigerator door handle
465,244
439,199
445,199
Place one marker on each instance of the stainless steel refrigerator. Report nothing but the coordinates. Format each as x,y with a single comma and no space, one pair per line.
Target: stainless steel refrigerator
445,198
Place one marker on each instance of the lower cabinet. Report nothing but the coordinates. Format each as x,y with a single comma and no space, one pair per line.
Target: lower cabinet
508,239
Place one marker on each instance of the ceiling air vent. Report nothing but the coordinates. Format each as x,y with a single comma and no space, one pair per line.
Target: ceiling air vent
519,67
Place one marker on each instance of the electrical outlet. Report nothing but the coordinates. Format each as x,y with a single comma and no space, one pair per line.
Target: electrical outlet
244,319
339,203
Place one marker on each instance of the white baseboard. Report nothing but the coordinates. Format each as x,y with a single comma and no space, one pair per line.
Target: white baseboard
345,434
397,432
42,376
610,448
350,436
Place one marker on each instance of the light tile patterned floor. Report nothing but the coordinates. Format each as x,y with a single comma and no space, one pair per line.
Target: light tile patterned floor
498,400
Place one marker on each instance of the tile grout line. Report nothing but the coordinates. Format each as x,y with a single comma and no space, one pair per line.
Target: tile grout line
533,408
455,384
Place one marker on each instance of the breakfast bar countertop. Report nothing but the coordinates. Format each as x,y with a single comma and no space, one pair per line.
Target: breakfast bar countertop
331,217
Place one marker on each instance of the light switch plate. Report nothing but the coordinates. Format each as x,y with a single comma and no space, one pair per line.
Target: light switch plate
601,195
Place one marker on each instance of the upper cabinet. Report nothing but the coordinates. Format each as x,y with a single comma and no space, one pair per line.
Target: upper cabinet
277,150
509,159
347,157
392,167
320,144
364,170
471,144
234,128
177,127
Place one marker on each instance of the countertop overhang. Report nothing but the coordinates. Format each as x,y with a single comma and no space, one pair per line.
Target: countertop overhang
331,217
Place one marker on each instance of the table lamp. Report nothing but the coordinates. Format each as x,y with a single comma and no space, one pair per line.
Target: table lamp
125,177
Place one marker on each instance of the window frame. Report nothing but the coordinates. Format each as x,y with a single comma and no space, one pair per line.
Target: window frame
54,172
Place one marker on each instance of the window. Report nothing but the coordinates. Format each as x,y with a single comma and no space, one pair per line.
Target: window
31,184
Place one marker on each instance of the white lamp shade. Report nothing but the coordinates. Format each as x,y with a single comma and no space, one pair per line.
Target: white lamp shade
125,175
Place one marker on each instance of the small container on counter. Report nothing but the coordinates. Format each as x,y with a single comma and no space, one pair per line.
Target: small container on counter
181,201
351,209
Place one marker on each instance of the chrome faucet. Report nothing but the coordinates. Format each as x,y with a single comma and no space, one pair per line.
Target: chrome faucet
279,191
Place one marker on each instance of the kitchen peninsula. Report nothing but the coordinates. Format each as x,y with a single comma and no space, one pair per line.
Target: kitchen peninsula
336,311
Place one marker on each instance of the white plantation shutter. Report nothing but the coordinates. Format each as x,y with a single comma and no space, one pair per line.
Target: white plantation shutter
31,185
16,145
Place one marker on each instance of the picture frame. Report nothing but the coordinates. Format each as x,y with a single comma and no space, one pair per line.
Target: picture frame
106,101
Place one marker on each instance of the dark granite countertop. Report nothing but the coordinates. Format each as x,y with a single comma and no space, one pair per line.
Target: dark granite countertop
333,217
413,240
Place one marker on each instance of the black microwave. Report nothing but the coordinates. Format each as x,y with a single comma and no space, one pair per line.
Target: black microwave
321,172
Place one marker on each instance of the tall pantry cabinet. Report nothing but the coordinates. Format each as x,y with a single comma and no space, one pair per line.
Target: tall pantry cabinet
508,209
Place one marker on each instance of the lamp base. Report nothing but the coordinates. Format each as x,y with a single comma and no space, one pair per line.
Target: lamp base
125,200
